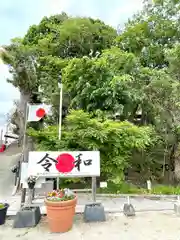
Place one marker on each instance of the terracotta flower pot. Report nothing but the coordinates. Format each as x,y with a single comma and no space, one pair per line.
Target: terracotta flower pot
60,215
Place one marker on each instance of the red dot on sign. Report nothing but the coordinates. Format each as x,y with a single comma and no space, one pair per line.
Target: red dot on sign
65,163
40,113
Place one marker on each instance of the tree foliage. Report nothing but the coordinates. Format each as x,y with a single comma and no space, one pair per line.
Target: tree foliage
65,36
22,65
115,140
150,32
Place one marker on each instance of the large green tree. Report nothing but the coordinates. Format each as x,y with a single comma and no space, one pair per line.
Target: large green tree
37,59
151,31
65,37
152,35
116,82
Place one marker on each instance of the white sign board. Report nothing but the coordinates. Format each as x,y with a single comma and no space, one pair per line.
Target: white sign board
64,164
103,184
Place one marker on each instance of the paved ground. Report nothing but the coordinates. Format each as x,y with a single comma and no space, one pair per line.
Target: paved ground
144,226
112,205
8,159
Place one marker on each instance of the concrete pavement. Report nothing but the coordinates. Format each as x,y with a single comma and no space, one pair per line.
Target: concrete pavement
111,205
144,226
8,159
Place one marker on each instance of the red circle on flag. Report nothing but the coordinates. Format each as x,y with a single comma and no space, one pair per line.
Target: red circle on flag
65,163
40,113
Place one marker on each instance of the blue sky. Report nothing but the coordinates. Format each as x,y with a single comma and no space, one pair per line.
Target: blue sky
17,15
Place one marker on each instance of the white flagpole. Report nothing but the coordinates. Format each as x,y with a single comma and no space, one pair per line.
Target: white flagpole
60,110
1,137
60,119
25,128
6,133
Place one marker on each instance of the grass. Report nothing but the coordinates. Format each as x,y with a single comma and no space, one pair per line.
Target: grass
166,190
2,205
123,188
126,188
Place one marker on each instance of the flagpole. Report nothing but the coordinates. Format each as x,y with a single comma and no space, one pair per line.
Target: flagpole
60,110
25,128
23,194
1,139
60,120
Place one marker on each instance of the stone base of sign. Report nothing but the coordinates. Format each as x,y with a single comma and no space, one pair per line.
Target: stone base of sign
177,208
94,213
27,217
128,210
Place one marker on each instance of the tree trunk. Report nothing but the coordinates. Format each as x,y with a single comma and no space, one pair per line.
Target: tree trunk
174,173
24,99
177,164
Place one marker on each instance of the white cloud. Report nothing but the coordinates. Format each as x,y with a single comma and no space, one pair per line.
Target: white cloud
57,6
113,12
125,11
7,91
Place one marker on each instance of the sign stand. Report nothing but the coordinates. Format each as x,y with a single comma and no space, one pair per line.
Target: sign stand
94,189
94,212
177,206
128,209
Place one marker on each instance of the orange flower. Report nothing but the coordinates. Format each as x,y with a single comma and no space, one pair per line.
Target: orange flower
61,194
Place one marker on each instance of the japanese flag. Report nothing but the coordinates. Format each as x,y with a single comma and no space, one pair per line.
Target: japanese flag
37,112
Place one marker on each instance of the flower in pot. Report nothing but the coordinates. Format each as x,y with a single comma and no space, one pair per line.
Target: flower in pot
60,206
3,212
14,169
31,181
